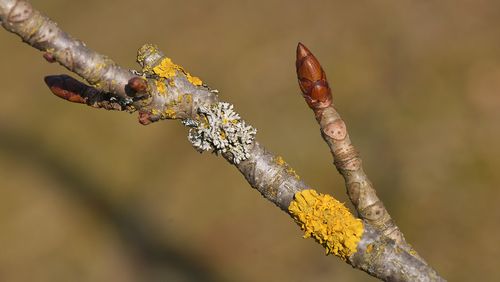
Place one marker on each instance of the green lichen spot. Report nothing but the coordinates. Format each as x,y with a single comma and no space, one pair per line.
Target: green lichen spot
328,221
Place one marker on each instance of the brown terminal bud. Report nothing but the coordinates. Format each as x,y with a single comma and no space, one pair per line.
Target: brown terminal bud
312,79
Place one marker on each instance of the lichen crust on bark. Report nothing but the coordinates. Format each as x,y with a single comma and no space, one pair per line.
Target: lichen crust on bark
220,129
175,94
328,221
168,69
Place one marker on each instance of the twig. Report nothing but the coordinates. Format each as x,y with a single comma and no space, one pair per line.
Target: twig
318,95
164,90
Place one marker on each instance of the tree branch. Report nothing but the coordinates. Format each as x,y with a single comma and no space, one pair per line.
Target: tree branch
318,95
164,90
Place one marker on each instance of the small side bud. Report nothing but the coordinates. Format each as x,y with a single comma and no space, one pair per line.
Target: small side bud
145,118
136,86
49,57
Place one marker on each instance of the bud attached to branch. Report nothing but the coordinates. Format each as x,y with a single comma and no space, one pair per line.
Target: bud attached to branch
136,87
70,89
312,80
67,88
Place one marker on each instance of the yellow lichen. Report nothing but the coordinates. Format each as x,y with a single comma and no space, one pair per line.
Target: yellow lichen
188,98
194,80
147,50
369,248
160,86
168,69
281,162
203,121
180,98
292,172
328,221
170,113
222,135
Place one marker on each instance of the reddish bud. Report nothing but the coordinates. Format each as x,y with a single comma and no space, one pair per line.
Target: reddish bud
66,87
312,79
145,118
49,57
138,84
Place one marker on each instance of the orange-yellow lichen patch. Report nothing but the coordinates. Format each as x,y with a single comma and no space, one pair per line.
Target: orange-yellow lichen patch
292,172
328,221
160,86
369,248
155,112
188,98
167,69
194,80
145,51
226,121
170,113
281,162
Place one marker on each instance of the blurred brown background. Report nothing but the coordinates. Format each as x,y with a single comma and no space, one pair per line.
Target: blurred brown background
90,195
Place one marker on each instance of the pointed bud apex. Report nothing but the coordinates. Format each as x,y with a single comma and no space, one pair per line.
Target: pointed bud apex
312,79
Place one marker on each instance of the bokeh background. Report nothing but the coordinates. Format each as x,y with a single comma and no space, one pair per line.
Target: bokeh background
91,195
